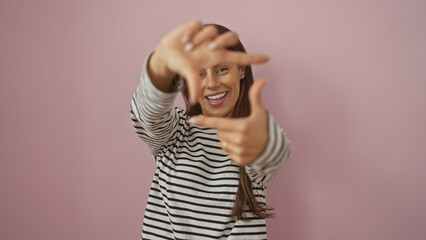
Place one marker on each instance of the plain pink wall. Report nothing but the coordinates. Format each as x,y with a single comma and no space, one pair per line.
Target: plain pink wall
347,83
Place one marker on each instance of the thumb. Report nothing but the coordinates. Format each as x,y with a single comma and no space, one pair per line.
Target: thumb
254,95
193,86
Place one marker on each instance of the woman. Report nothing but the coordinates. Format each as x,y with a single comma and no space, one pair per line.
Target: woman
211,169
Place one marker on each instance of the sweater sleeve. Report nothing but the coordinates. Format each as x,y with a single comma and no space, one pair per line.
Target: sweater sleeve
277,151
154,117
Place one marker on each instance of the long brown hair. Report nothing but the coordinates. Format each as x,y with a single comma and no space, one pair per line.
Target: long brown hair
244,195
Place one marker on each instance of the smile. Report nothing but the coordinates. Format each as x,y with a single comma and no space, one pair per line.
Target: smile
217,99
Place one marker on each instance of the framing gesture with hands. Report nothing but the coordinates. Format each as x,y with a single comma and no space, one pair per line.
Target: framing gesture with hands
187,50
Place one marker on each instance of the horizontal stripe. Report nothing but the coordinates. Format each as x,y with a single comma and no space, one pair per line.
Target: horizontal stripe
193,196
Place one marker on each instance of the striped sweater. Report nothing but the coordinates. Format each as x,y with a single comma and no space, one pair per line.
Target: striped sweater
195,182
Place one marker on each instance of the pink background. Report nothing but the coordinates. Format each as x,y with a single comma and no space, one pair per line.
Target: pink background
347,81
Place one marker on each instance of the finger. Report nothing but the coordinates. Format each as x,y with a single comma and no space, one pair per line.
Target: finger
225,145
234,145
227,39
222,124
229,137
238,159
240,143
254,95
190,29
207,33
193,85
242,58
228,146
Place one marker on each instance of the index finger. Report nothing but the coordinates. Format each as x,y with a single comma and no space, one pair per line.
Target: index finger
193,84
222,124
243,58
189,29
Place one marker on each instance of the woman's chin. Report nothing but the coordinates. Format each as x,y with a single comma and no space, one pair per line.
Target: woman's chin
216,112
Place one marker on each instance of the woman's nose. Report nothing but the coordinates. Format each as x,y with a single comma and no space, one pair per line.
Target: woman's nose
212,81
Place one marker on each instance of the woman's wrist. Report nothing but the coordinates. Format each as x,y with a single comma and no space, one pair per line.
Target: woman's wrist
159,67
161,76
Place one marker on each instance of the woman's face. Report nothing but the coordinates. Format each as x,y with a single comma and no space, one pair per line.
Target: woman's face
220,89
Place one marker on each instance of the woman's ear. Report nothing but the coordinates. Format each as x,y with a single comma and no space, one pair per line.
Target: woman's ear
242,70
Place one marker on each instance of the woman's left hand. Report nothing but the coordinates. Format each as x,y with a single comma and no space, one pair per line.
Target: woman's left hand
244,139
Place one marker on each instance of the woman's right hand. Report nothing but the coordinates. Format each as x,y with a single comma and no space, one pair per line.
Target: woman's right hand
189,48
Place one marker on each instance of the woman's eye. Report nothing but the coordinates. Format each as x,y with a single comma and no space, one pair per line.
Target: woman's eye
202,75
223,69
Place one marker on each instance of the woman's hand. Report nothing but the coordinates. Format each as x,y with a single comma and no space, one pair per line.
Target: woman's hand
244,139
191,47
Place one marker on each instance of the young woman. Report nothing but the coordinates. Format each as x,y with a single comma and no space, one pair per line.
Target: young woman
212,169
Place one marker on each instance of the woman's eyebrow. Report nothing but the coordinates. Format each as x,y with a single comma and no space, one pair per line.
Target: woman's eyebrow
217,65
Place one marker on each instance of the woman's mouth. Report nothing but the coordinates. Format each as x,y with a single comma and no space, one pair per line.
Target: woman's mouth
217,99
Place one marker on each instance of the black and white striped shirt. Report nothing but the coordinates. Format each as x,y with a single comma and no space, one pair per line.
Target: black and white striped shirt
195,182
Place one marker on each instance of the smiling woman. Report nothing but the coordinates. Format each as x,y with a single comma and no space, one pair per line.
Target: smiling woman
212,169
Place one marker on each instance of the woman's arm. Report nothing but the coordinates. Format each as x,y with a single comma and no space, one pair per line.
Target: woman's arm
153,114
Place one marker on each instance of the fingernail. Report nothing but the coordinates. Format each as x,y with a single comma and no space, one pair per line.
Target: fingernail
185,38
212,46
189,47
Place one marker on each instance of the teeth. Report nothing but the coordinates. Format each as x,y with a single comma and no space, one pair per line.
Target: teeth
216,96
